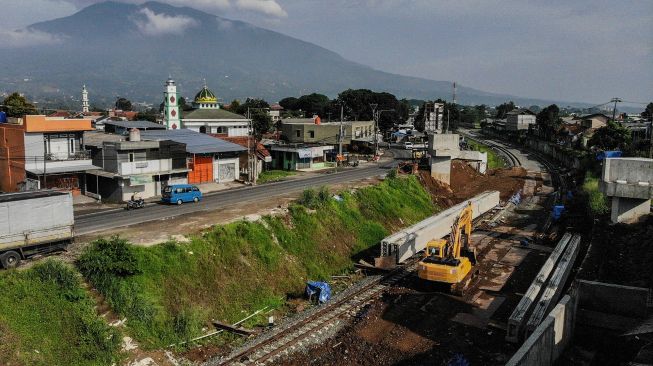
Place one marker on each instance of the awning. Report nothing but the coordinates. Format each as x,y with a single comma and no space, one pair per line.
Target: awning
63,169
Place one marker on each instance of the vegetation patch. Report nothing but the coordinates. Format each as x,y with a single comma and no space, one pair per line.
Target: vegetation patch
274,176
47,318
597,202
171,291
494,161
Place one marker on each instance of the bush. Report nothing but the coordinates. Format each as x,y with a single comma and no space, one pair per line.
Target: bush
106,259
597,202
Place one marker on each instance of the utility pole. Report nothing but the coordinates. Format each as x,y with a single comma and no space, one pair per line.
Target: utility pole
376,128
614,110
45,154
250,131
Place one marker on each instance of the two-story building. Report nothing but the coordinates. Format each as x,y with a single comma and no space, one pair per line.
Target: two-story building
314,131
594,121
130,165
520,119
45,152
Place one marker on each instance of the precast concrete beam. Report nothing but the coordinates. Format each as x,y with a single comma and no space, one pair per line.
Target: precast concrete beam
407,242
555,286
519,316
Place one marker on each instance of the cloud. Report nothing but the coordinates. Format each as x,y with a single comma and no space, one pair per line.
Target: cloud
269,7
159,24
27,38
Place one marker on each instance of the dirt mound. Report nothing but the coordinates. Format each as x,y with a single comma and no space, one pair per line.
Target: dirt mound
467,182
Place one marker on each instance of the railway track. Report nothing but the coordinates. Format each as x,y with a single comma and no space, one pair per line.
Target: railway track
508,155
284,341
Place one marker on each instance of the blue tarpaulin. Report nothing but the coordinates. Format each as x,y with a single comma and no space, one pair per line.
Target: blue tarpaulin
322,289
558,210
608,154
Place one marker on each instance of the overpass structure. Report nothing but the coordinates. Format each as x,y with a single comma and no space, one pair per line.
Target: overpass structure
629,182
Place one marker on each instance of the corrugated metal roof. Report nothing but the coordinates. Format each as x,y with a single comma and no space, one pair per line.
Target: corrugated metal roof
136,124
196,143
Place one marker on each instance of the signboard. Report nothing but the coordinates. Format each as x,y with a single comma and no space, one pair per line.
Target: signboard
317,152
136,180
305,153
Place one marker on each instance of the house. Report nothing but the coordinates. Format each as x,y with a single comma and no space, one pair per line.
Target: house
275,112
303,157
519,119
314,131
594,121
209,159
130,165
45,152
259,151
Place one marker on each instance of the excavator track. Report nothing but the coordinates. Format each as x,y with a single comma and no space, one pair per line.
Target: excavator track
460,288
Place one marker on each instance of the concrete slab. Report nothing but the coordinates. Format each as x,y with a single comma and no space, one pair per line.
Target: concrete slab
515,256
497,277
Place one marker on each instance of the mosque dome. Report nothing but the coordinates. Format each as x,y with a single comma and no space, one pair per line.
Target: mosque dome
205,96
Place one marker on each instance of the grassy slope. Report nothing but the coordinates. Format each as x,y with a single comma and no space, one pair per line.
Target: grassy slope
233,269
494,161
597,201
274,176
46,318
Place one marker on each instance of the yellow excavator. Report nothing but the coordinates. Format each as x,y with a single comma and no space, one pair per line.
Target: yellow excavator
451,261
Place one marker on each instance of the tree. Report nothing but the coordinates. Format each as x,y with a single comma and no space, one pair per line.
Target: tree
611,137
312,104
261,121
503,109
17,106
123,104
252,104
549,121
149,114
648,112
289,104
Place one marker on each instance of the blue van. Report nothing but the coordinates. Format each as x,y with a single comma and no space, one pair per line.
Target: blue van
180,193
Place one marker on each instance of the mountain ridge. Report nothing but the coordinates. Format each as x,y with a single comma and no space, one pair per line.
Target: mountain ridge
128,50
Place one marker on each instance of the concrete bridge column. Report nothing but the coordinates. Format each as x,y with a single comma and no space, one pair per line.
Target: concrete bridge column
629,182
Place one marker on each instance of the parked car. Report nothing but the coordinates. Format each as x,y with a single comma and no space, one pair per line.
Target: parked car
180,193
408,145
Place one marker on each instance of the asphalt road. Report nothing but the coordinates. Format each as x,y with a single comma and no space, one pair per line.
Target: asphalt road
90,223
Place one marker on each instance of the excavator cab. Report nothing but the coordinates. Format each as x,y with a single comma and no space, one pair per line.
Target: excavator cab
450,261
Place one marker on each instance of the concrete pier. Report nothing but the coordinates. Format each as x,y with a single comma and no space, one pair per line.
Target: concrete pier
629,182
443,148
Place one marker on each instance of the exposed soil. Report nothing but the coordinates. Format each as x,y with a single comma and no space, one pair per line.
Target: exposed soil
415,323
467,182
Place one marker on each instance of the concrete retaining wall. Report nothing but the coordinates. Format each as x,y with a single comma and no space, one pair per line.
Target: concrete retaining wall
614,299
407,242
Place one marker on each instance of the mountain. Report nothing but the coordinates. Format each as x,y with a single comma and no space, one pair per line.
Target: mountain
129,50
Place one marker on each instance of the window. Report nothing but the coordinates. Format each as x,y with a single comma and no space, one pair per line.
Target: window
311,134
131,157
188,189
297,132
179,190
195,189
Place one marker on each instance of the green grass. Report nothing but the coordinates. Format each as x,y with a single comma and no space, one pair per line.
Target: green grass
47,318
274,176
597,202
494,161
169,292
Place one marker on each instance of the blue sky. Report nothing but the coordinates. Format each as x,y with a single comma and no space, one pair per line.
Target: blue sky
583,50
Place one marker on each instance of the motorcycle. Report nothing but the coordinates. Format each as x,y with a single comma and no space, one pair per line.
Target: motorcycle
132,205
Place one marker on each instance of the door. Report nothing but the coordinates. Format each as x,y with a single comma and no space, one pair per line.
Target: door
202,170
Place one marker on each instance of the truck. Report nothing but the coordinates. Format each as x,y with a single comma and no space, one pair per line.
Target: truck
34,222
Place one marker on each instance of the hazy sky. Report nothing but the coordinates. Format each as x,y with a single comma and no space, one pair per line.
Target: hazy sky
576,50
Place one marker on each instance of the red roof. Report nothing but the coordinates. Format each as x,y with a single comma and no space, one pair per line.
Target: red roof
261,151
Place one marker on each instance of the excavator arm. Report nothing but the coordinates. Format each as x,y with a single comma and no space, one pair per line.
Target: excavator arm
462,223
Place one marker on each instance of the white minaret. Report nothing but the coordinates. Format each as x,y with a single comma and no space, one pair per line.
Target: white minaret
171,106
84,99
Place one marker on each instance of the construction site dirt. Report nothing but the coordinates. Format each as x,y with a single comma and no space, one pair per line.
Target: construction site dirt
467,182
417,323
